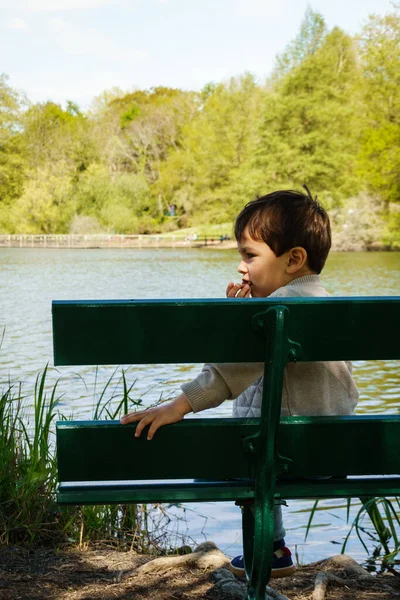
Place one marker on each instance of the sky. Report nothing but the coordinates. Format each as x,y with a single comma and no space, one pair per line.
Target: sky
63,50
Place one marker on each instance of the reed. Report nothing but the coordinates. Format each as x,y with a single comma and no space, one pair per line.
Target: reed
28,476
377,526
27,463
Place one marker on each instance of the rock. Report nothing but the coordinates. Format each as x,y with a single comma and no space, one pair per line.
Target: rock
184,550
221,574
206,547
231,589
272,594
236,590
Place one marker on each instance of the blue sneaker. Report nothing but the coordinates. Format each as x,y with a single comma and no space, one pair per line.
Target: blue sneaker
282,564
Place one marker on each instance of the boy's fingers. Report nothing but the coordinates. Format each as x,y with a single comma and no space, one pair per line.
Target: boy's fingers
234,290
243,292
153,428
132,417
127,418
142,424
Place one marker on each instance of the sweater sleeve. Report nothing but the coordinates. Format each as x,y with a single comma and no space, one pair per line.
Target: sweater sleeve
218,382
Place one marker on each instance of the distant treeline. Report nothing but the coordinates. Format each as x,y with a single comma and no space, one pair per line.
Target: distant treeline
162,159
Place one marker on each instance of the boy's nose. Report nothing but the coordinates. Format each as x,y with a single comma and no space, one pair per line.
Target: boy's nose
242,268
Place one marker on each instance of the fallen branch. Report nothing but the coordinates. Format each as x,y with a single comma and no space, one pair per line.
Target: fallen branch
206,556
321,583
344,563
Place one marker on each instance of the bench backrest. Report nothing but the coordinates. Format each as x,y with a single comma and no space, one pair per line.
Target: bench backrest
196,331
269,330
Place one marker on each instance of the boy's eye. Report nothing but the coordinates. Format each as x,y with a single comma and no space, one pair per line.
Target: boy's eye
250,255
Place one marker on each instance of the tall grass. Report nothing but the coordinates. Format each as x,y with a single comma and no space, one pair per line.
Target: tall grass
28,476
27,466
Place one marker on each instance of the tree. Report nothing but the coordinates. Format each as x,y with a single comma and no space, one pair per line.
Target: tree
52,134
310,37
44,206
12,164
216,148
380,152
121,203
310,127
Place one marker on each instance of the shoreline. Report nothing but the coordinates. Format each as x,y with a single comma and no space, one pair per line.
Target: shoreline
114,242
90,242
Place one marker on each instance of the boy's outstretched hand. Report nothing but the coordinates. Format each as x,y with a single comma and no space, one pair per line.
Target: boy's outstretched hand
238,290
158,416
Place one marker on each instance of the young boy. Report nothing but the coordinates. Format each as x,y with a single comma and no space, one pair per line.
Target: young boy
283,239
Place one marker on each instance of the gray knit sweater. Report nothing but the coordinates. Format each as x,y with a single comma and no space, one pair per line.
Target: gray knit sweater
318,388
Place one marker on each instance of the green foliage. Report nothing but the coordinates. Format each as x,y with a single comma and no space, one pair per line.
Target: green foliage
328,116
129,115
44,206
120,203
380,155
309,39
12,160
309,130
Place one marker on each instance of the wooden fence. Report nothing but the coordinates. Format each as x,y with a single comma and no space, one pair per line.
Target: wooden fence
107,241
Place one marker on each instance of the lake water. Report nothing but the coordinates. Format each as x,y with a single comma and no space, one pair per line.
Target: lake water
31,278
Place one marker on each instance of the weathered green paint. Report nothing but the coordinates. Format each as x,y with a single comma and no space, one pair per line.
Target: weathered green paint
238,459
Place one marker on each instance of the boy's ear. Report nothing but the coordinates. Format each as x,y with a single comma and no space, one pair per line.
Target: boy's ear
296,259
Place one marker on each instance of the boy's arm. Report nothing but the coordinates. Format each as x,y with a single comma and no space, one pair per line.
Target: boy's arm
215,384
220,381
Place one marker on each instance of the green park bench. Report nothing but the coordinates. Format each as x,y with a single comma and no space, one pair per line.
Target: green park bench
226,459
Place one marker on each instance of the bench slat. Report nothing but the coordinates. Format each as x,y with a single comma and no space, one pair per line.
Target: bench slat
207,491
196,331
107,451
223,491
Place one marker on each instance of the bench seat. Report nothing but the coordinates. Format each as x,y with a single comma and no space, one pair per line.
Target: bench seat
101,462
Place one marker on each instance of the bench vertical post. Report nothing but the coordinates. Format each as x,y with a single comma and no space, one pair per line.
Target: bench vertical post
258,562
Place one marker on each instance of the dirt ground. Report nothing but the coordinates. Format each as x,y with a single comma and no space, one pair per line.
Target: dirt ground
107,574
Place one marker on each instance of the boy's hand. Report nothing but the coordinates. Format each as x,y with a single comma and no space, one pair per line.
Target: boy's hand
158,416
238,290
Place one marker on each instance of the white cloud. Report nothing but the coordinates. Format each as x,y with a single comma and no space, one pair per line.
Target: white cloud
261,8
16,23
90,42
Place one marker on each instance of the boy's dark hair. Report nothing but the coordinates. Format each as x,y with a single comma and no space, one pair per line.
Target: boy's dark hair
285,219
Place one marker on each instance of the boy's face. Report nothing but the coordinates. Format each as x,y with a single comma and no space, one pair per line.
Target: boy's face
260,267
